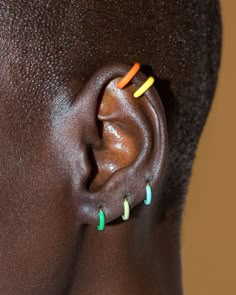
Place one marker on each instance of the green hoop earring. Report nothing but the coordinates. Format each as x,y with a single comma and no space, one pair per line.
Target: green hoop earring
102,220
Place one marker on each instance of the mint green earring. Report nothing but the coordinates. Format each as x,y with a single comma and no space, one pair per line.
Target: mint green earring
102,220
148,199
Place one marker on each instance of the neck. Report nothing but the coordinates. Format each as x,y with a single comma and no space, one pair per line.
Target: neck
138,257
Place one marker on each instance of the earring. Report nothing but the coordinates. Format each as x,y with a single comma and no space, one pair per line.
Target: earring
148,199
129,76
146,85
126,214
102,220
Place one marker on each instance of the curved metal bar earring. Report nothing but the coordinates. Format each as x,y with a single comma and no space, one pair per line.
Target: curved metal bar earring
102,220
126,214
148,199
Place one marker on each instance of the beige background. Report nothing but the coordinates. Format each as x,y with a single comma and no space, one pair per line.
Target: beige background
209,234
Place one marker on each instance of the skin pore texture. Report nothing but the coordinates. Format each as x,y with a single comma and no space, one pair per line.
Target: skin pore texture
71,141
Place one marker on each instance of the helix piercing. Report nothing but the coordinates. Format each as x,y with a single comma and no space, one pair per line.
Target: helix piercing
126,214
129,76
146,85
101,217
148,199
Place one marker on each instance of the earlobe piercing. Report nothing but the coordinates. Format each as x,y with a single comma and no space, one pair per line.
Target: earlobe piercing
129,76
102,219
148,199
126,214
146,85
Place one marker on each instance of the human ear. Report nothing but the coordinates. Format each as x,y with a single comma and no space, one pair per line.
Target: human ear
113,144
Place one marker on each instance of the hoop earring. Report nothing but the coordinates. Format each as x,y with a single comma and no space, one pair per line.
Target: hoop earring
148,199
102,220
129,76
143,88
126,214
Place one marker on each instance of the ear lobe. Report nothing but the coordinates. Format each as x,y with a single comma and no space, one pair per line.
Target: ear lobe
122,138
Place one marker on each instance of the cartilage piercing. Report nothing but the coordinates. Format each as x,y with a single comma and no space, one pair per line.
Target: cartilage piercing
142,89
129,76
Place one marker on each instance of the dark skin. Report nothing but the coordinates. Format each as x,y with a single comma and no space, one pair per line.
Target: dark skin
72,142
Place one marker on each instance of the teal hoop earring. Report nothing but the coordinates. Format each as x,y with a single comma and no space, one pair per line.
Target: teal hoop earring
102,220
148,199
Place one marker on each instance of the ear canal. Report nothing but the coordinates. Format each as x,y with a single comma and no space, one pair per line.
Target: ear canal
122,144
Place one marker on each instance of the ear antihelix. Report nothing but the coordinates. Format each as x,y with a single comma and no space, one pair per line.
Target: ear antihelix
110,201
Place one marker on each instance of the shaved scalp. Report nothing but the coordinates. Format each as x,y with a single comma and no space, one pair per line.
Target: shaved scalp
50,48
